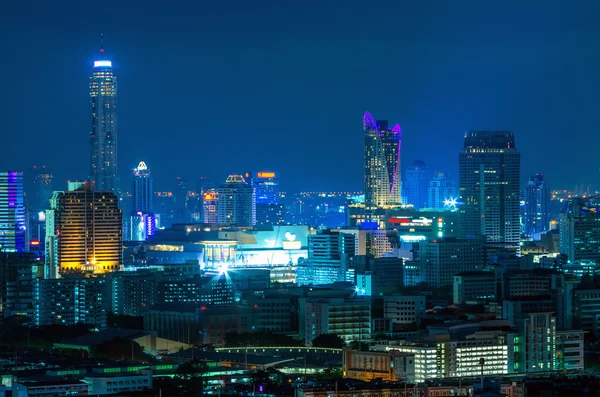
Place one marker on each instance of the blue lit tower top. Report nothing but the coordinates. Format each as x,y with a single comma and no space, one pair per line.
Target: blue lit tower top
103,134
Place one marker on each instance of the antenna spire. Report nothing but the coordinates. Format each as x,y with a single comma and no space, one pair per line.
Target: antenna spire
101,43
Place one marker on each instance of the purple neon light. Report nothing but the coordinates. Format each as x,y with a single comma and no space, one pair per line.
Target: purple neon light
369,123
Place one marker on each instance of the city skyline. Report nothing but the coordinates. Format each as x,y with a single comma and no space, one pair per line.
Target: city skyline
476,89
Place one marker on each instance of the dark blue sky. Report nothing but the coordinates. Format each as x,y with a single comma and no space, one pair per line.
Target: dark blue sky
218,87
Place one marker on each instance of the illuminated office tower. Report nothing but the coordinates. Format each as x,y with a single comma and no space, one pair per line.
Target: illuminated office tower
142,189
83,231
103,136
416,184
237,203
12,213
536,218
489,187
266,189
266,186
382,162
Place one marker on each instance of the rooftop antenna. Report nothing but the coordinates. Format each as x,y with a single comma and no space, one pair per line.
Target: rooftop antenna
101,43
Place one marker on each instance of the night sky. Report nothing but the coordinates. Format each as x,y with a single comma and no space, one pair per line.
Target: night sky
218,87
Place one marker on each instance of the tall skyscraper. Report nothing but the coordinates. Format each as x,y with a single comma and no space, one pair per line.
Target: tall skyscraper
237,203
382,162
83,231
416,184
103,136
442,193
489,187
143,193
536,217
12,213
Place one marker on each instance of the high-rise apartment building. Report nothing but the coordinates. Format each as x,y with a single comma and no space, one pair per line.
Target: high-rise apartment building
237,204
382,162
416,184
84,231
103,136
13,228
489,187
442,193
536,217
142,191
70,300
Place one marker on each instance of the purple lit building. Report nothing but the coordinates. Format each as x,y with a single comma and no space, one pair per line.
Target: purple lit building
12,213
382,162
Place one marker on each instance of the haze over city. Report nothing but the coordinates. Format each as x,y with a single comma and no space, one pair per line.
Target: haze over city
210,89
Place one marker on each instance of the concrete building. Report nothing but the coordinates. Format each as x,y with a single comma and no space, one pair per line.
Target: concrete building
391,366
586,310
132,293
20,300
475,286
70,300
196,324
444,258
404,309
535,345
197,290
376,276
349,318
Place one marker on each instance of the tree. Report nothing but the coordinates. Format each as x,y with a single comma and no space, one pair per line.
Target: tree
329,340
120,349
192,375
